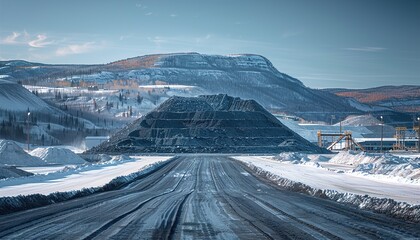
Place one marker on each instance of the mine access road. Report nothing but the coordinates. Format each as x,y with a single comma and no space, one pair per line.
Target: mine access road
201,197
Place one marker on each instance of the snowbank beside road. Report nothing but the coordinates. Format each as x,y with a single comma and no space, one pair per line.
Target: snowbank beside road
95,175
322,178
400,199
22,202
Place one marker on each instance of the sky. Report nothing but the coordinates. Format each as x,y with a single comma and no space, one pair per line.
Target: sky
323,43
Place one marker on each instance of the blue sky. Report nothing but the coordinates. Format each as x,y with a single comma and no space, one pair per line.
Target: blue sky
324,43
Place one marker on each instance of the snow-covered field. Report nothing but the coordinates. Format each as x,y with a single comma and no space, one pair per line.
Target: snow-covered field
86,176
381,176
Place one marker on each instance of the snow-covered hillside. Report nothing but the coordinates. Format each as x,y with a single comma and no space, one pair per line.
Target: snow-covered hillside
241,75
14,97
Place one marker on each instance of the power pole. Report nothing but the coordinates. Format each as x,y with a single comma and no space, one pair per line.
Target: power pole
418,135
382,133
27,124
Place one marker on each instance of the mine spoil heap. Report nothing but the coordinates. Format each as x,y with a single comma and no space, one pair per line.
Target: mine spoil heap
206,124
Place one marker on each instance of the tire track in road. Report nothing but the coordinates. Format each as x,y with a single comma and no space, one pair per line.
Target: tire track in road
139,206
304,226
362,223
236,210
44,215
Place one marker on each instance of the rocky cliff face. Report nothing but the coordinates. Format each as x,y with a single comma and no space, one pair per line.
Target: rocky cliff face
206,124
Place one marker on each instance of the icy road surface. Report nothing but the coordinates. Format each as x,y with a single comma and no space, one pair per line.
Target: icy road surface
196,197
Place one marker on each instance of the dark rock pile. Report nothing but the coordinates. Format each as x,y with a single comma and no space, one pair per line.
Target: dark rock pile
206,124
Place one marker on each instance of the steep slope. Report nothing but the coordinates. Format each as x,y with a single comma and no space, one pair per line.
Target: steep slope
14,97
208,123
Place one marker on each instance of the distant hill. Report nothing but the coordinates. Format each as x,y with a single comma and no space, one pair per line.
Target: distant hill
247,76
399,98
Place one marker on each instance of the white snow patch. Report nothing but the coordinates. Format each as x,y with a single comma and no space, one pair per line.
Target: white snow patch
58,155
359,120
13,155
174,86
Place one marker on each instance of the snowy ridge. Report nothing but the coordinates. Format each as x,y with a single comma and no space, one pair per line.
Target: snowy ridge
14,97
386,206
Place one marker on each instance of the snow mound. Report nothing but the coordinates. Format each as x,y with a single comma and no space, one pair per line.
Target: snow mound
297,158
9,172
292,156
57,155
361,120
385,164
13,155
121,158
354,158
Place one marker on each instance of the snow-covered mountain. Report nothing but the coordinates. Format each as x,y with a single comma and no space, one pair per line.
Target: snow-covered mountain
247,76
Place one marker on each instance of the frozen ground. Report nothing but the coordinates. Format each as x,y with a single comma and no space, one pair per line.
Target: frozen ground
383,176
76,178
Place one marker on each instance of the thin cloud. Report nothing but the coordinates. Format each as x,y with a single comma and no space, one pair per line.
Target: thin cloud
173,15
75,49
157,40
11,39
39,42
366,49
202,39
24,38
148,14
